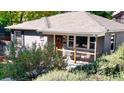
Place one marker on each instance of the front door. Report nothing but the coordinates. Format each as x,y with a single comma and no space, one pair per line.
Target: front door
59,44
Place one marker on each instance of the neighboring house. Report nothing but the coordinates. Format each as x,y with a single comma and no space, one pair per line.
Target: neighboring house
88,34
119,17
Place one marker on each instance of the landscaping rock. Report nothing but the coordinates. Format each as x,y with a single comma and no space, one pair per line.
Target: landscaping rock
7,79
35,73
32,74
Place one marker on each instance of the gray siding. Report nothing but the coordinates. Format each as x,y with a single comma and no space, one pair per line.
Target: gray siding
100,45
50,39
107,43
119,38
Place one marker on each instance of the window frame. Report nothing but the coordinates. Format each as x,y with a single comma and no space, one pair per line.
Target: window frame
92,42
69,40
82,47
88,42
18,37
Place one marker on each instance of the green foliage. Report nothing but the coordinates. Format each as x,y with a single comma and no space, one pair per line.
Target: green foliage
106,14
109,67
60,75
12,51
88,68
52,59
14,17
29,59
7,70
112,64
13,70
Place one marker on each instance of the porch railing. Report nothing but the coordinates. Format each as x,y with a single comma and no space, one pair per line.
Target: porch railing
74,52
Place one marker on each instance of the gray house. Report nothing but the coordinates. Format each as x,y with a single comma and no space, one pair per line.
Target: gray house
79,35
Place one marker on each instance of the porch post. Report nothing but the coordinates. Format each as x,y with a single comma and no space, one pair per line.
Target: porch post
95,52
63,51
88,42
54,42
74,49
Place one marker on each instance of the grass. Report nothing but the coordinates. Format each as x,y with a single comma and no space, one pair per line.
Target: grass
60,75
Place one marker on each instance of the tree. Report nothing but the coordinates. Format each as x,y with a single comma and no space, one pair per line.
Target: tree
14,17
106,14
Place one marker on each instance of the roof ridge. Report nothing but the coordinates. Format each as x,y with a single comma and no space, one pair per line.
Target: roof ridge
89,14
47,22
45,19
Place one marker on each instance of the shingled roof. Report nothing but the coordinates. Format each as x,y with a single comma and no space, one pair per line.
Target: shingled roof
71,23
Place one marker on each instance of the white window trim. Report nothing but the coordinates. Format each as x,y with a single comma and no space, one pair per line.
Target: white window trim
68,41
92,42
74,43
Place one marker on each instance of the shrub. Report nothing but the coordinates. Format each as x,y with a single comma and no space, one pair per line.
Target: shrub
60,75
111,64
88,68
107,65
12,51
7,70
106,78
52,59
34,58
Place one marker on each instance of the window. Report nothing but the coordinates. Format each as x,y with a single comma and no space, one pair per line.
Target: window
112,42
81,41
71,41
18,38
92,42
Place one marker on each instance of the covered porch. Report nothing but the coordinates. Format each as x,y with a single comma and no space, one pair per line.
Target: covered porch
77,48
